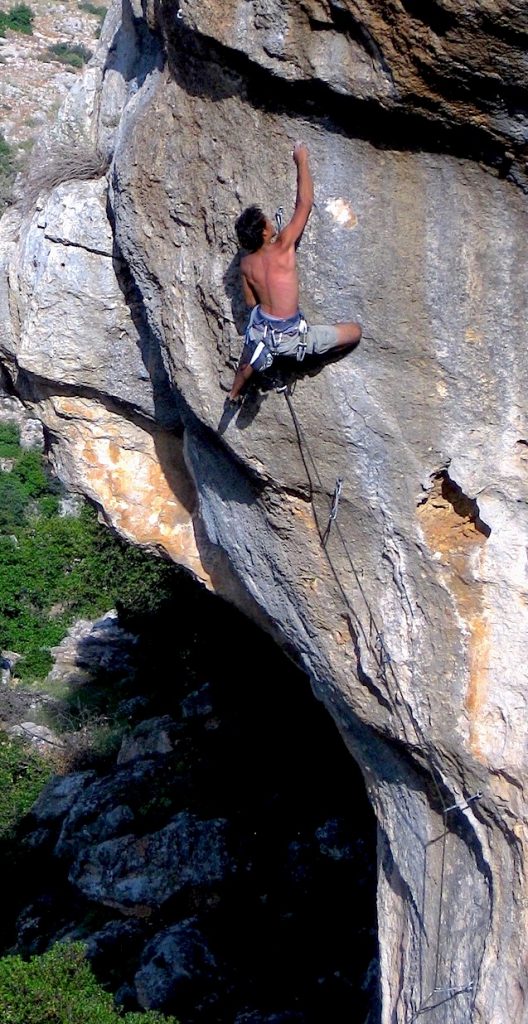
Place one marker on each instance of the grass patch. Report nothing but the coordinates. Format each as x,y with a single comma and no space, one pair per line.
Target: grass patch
75,56
22,776
59,987
71,160
18,19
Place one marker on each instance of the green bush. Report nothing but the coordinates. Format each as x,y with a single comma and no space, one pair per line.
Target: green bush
59,987
22,776
9,433
76,56
100,12
13,502
26,481
18,19
8,168
56,569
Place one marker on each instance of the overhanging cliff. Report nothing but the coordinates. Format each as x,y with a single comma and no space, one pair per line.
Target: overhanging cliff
122,316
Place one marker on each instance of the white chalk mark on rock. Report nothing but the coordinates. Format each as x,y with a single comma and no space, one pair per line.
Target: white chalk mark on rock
342,213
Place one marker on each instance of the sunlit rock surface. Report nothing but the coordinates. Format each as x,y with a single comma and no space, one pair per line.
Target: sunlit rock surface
122,316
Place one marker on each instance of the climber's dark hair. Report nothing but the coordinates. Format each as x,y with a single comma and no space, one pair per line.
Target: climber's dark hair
249,228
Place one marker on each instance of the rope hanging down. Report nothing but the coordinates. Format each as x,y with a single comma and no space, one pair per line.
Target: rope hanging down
438,996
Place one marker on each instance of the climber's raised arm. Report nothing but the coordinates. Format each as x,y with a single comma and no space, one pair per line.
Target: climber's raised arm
304,200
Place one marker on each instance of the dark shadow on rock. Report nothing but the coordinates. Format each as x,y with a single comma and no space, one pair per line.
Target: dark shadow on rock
166,407
206,68
233,290
135,51
280,378
294,926
230,411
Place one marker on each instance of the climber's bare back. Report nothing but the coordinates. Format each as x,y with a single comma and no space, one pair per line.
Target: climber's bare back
269,277
269,272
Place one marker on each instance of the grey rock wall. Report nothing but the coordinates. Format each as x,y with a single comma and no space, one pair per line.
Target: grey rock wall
410,619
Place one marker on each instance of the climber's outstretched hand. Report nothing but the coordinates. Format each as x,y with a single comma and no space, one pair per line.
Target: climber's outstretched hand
300,152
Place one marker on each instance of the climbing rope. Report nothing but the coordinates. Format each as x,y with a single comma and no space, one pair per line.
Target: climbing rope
438,996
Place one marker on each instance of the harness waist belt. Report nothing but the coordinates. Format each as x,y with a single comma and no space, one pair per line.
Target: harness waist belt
261,320
265,333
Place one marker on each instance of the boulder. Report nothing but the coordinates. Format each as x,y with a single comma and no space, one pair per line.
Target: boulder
152,736
256,1017
107,807
136,875
59,796
38,736
91,648
8,660
199,703
176,966
114,943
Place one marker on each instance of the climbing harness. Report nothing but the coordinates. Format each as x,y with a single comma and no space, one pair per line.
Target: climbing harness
303,340
438,995
266,335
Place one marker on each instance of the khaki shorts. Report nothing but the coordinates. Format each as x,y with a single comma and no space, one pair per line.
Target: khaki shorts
319,339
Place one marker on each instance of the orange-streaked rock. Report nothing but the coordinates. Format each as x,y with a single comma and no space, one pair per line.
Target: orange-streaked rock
449,525
138,477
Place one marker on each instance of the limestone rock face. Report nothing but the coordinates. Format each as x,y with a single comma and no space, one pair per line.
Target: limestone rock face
410,617
458,71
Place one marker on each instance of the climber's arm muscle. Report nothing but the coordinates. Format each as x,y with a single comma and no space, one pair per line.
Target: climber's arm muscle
304,200
249,294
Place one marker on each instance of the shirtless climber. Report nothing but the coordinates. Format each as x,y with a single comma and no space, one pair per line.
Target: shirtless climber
271,287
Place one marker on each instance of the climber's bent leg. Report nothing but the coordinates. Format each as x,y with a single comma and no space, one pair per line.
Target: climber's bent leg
324,338
348,334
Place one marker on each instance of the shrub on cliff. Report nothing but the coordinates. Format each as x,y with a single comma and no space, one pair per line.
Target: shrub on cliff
75,56
18,19
69,160
59,987
9,433
8,171
54,569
